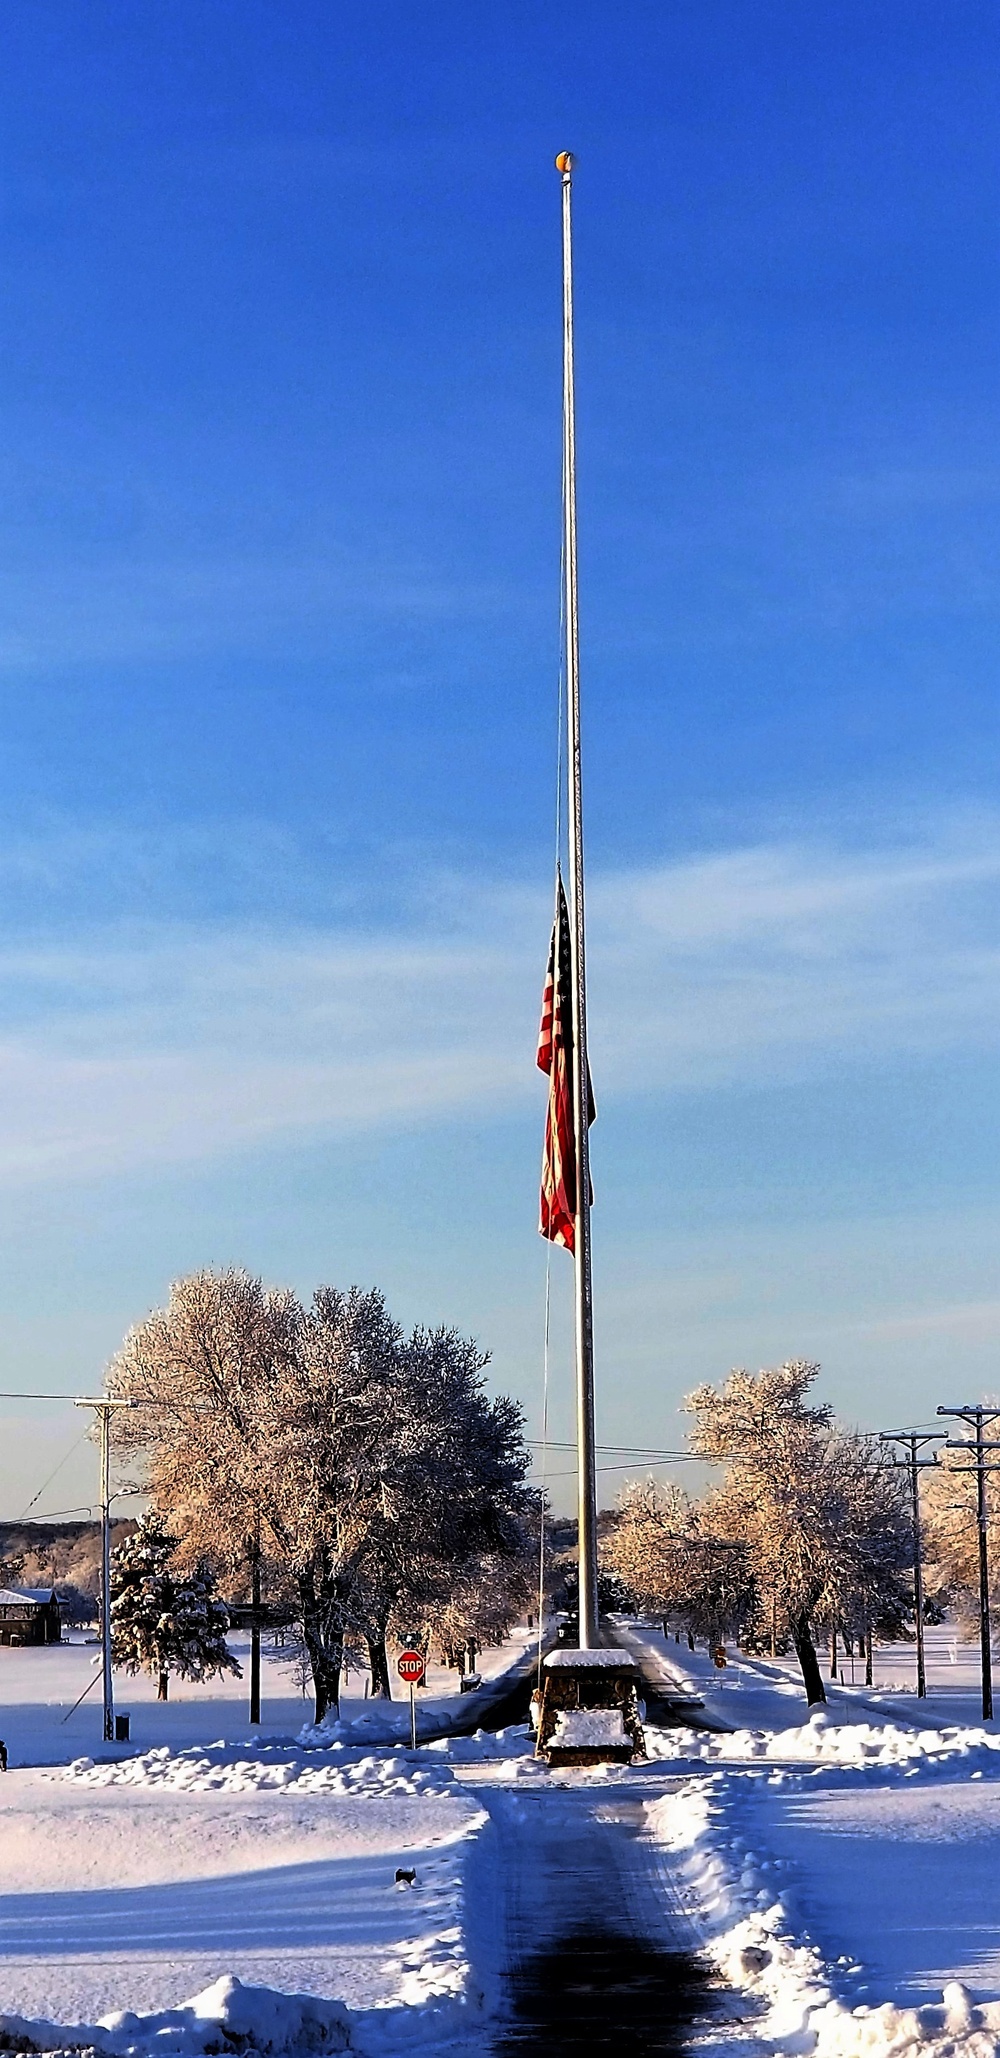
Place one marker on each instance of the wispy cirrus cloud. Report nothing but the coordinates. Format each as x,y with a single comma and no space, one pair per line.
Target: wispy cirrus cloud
186,1042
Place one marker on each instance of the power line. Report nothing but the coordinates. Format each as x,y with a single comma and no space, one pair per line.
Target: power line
52,1515
597,1468
64,1460
629,1450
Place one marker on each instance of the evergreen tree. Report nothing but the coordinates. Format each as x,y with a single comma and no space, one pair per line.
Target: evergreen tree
164,1621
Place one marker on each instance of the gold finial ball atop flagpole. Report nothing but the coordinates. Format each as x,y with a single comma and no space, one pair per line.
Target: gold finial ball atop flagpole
565,162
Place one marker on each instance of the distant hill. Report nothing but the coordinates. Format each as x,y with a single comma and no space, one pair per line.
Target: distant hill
66,1555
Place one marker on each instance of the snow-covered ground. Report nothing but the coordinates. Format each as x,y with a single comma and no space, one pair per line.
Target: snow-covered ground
845,1869
769,1691
842,1872
39,1687
138,1877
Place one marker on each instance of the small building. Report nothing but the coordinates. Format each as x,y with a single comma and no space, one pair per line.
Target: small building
29,1615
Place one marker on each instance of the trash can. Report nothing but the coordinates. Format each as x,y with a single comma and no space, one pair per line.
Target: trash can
122,1728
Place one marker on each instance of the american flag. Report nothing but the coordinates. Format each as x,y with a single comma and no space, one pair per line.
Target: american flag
557,1218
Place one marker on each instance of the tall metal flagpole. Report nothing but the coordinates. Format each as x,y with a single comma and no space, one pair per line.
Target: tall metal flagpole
587,1482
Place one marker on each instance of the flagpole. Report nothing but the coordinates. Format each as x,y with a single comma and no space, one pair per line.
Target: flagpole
587,1480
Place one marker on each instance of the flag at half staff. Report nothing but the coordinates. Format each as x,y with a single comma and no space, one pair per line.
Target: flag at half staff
557,1218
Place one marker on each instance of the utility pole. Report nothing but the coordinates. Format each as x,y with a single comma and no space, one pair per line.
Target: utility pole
255,1625
977,1417
102,1412
914,1441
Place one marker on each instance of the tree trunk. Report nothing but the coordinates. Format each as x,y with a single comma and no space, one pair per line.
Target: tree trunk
805,1652
325,1653
833,1652
162,1686
378,1662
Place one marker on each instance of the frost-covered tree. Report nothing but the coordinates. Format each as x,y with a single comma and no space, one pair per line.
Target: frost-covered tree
677,1559
484,1601
371,1465
818,1511
868,1587
615,1596
163,1620
449,1530
649,1545
950,1533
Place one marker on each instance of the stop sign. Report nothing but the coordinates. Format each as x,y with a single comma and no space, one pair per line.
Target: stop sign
410,1666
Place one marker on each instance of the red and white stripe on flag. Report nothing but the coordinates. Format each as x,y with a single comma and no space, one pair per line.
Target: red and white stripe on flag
557,1215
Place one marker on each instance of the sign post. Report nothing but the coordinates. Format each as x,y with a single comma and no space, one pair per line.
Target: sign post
410,1666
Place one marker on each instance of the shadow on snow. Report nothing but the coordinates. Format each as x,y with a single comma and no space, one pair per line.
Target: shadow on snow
597,1990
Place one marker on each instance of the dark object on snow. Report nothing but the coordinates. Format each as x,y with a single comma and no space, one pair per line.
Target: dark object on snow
405,1877
3,1756
122,1727
470,1683
598,1991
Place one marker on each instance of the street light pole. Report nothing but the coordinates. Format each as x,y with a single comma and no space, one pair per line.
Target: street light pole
102,1411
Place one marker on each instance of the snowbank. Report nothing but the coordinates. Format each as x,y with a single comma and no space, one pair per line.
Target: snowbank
823,1742
219,1770
226,2017
749,1934
260,2022
292,1769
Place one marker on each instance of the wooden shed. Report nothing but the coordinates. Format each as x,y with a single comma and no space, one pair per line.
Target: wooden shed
29,1615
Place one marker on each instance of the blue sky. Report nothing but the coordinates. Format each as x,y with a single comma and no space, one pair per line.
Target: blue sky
279,393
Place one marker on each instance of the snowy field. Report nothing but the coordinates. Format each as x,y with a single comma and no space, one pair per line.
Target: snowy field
39,1687
954,1692
843,1874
